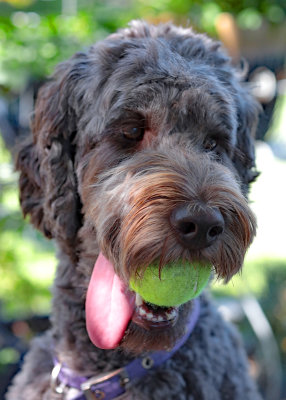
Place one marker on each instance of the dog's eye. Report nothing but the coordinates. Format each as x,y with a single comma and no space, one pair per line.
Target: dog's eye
210,144
134,133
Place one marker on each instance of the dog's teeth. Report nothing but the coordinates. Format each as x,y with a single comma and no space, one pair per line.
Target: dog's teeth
138,300
157,318
171,314
142,312
154,314
150,316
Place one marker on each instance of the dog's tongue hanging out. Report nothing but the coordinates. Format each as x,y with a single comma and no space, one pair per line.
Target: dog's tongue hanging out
109,306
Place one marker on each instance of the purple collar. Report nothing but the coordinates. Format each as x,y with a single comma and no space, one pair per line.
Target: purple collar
112,385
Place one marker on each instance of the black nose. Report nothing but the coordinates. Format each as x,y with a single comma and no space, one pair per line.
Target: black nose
197,228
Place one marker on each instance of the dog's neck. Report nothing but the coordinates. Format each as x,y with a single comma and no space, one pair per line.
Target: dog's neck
113,383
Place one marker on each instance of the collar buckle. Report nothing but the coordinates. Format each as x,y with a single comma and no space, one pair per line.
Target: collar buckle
56,385
93,388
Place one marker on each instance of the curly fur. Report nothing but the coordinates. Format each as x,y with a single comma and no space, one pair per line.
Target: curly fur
88,186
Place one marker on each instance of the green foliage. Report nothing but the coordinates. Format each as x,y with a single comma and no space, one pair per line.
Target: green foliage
254,278
32,45
8,355
27,260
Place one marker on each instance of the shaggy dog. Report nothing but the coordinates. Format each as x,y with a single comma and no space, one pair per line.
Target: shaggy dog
141,153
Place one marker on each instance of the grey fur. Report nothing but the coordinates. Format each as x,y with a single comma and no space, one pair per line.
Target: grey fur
186,87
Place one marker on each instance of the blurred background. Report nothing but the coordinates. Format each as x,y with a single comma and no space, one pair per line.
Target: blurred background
37,34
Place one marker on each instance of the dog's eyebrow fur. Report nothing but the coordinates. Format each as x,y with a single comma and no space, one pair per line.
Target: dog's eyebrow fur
140,104
177,81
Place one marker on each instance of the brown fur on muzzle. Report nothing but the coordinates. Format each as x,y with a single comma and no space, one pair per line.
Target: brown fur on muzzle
132,203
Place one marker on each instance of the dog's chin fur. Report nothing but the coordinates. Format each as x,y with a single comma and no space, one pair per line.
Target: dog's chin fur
89,184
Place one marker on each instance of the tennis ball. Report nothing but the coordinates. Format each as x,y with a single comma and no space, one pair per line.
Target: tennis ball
179,282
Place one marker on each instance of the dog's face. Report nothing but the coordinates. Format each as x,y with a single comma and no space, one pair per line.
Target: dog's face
142,148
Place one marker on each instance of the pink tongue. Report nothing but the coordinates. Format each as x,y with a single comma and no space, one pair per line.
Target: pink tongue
109,306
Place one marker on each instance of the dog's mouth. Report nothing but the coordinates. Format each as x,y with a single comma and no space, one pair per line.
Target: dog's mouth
111,306
150,316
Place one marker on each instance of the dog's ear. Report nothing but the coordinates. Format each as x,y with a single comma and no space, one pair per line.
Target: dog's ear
31,193
48,186
244,154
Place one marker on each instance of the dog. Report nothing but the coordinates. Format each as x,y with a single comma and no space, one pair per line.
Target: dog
141,152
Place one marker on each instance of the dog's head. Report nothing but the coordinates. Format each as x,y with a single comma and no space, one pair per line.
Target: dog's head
142,147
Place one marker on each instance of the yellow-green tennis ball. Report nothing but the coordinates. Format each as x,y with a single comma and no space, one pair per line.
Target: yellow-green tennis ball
179,282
